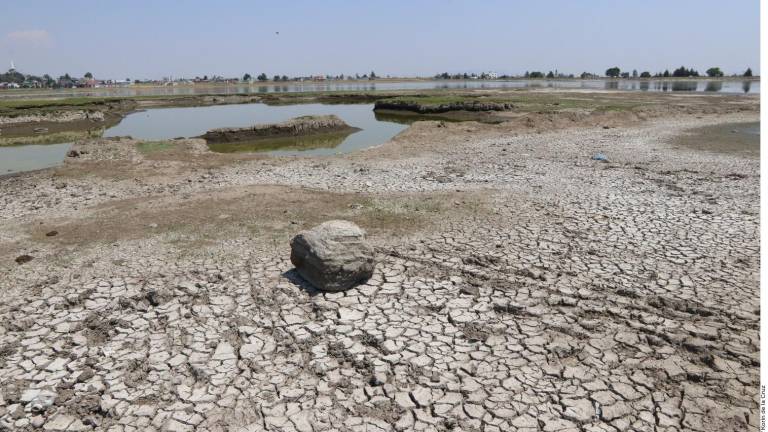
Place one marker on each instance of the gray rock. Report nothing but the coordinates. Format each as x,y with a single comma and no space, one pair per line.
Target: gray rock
333,256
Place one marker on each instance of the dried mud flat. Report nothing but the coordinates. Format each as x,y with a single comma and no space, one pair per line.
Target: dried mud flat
520,285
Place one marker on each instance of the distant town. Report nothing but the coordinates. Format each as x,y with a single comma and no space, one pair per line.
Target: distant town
14,79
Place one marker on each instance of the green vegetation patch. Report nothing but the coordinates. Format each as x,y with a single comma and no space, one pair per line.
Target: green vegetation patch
22,107
43,103
52,138
149,147
299,143
523,101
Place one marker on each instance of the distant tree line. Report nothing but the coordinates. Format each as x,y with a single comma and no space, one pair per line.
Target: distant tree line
262,77
23,80
681,72
14,78
613,72
548,75
18,79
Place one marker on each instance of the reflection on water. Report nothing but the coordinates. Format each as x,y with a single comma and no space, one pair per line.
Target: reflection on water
167,123
31,157
749,128
687,86
394,117
300,143
714,86
409,118
700,85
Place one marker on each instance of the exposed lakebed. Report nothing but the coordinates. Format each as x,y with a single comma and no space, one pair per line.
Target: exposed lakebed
168,123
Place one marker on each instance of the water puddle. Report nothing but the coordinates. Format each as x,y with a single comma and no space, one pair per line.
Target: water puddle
31,157
168,123
741,139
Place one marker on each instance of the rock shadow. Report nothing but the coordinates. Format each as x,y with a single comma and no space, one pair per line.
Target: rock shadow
295,278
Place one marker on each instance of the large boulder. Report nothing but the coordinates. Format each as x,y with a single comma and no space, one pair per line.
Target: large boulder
333,256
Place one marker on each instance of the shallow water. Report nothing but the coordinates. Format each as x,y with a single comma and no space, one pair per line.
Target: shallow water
167,123
741,139
749,128
692,85
31,157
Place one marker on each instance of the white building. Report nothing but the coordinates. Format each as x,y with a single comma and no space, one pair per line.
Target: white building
491,75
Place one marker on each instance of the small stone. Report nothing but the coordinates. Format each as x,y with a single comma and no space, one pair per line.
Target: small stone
37,421
85,375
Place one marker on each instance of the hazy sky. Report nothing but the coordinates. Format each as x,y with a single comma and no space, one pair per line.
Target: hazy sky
151,39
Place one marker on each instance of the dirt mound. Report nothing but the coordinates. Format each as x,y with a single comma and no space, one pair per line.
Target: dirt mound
428,108
299,126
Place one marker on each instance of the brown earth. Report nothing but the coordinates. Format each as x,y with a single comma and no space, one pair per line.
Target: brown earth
296,127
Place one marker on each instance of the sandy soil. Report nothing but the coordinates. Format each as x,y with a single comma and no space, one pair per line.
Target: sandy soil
520,285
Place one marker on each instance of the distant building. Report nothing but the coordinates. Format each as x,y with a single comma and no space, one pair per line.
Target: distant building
491,75
30,83
87,83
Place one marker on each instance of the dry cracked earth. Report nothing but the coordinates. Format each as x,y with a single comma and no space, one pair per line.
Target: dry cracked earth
526,287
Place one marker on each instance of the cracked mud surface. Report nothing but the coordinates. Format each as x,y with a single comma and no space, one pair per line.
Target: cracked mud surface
520,285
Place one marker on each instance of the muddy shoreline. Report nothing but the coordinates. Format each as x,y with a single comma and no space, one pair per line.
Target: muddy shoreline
514,103
414,105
